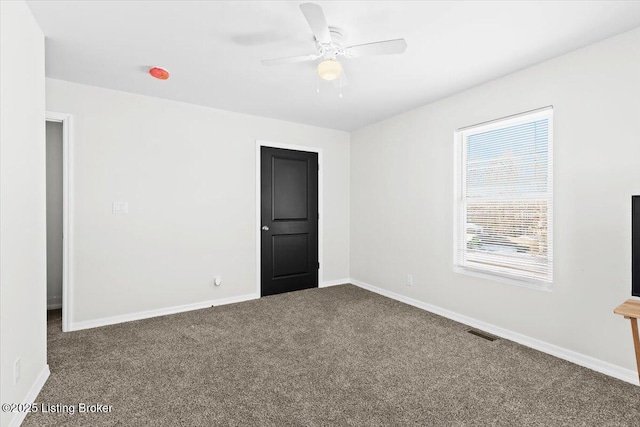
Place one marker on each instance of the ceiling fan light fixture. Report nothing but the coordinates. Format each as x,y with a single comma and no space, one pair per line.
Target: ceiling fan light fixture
329,69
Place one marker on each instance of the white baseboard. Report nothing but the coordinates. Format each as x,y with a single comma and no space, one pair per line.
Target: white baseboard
328,283
37,385
104,321
54,302
592,363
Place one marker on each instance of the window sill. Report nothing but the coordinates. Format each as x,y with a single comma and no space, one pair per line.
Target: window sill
530,284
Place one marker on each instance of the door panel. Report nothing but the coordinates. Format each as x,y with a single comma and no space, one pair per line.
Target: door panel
289,215
290,189
290,254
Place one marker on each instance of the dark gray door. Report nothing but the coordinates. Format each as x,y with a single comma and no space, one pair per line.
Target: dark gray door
289,213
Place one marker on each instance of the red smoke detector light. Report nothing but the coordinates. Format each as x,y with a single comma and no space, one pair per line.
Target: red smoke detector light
159,73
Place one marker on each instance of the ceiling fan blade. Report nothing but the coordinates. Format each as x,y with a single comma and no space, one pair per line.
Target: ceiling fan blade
288,60
315,17
341,81
387,47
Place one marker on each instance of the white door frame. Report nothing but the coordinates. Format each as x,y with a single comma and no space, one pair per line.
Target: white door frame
67,214
259,145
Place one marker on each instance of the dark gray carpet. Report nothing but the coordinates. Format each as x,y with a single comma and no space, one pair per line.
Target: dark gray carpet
334,356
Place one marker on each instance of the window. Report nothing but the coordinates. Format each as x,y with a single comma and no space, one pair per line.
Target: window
504,199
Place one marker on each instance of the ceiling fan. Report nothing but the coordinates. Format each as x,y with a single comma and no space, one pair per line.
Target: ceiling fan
329,46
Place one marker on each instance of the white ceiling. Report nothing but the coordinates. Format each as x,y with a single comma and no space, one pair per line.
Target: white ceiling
213,50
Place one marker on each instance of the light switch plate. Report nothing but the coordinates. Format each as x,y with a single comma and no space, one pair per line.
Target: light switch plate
120,207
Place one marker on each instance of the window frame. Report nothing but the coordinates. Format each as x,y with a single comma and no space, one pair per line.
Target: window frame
459,213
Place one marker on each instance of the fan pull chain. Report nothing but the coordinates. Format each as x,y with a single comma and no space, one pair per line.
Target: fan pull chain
340,95
317,83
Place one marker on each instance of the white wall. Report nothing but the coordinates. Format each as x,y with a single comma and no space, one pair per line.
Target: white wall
54,214
402,200
188,174
23,266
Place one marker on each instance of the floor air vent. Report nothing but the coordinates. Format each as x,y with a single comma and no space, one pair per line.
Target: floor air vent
482,334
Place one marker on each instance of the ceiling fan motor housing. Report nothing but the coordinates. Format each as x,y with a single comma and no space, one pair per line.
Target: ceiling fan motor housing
333,49
337,36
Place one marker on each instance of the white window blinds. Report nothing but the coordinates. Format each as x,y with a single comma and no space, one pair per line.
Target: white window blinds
504,198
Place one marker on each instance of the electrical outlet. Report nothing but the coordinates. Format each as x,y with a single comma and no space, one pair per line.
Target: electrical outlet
16,371
409,281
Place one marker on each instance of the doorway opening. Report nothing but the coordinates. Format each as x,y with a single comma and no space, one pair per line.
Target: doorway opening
54,216
58,183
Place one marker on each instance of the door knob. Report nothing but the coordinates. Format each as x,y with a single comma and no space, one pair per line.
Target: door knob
265,228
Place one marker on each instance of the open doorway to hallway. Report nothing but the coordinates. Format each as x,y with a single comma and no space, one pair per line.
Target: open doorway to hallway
55,232
59,176
54,214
